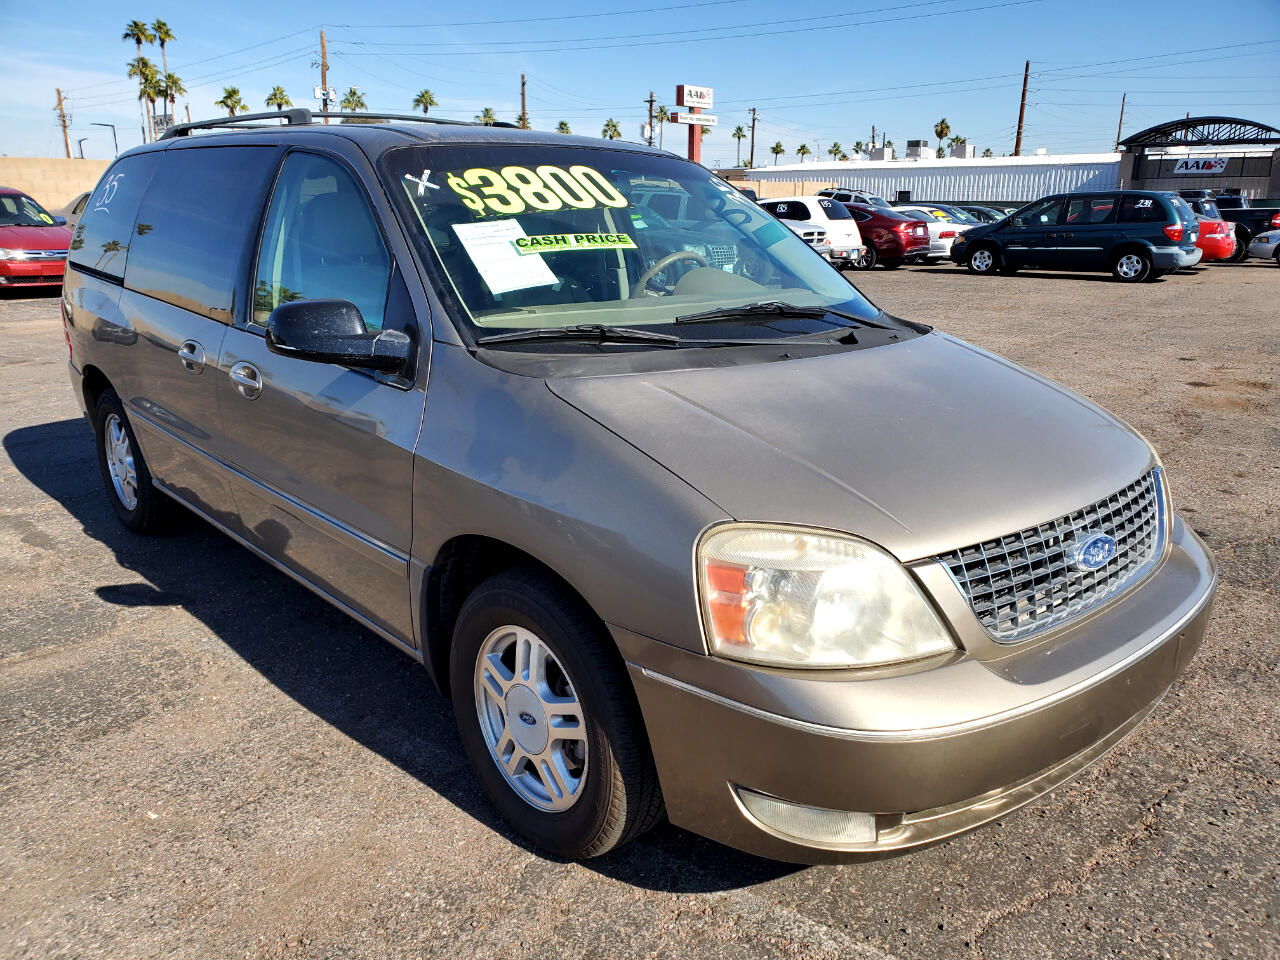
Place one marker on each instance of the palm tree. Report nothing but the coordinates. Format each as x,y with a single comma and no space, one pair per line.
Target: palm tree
739,134
139,33
835,150
170,88
662,115
487,117
957,142
941,129
162,35
803,151
563,127
522,120
145,72
230,101
352,101
859,148
777,150
425,99
278,98
987,152
611,130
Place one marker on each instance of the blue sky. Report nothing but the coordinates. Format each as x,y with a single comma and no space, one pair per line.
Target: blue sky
816,73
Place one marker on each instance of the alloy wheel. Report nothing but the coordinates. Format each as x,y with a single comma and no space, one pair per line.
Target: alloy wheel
120,464
1129,266
531,719
982,260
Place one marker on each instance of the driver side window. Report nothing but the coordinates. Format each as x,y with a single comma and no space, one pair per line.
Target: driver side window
321,241
1039,214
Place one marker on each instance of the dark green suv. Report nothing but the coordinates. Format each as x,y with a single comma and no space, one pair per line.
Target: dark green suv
1133,234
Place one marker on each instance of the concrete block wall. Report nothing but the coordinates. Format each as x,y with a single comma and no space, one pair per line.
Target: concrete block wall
779,189
52,182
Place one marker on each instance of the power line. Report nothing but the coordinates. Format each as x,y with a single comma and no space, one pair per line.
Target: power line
685,39
683,7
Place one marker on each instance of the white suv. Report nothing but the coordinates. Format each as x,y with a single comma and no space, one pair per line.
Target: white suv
832,216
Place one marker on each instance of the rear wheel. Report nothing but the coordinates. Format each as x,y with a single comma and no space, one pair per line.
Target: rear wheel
135,499
982,261
1242,246
1131,266
548,717
867,260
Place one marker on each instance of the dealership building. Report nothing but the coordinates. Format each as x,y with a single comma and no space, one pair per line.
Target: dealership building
1222,154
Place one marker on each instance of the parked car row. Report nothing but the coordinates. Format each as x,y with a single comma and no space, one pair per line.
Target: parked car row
1135,235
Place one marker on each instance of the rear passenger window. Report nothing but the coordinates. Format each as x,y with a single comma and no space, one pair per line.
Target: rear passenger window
791,211
321,241
1141,210
1089,210
101,240
196,226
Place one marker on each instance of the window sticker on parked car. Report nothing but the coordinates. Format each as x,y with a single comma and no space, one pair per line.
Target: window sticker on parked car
491,247
1143,203
566,242
513,189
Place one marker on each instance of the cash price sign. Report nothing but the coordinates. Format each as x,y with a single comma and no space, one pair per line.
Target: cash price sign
695,100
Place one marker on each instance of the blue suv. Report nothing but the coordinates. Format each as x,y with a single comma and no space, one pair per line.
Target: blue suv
1133,234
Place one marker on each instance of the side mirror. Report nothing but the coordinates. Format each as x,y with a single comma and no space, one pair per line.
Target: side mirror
332,331
60,221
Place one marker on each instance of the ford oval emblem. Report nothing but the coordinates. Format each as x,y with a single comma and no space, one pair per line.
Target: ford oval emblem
528,718
1093,551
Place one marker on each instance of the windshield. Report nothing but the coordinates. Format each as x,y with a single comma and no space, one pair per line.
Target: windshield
19,210
536,236
920,215
959,215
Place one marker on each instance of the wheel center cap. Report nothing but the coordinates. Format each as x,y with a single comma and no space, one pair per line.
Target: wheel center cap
526,719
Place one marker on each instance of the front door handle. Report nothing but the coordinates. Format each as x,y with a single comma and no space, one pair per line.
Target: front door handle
247,380
1066,236
191,356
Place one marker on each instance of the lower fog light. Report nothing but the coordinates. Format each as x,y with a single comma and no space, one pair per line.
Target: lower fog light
809,824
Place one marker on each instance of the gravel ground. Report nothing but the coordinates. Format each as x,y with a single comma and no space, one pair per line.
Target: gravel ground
200,759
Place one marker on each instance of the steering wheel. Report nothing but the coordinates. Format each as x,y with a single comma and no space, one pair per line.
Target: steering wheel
661,264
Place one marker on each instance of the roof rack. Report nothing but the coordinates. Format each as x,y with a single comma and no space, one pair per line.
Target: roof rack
301,115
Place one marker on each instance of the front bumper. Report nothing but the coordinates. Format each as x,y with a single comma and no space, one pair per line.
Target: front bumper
1173,258
31,272
930,753
1265,245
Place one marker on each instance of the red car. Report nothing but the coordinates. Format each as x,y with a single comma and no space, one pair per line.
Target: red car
33,242
1217,239
891,238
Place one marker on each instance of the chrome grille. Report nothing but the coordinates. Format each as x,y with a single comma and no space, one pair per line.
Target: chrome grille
1026,582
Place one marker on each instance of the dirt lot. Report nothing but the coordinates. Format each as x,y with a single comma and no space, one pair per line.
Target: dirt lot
200,759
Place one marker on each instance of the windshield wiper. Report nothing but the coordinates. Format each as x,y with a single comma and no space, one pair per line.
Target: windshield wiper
583,331
771,308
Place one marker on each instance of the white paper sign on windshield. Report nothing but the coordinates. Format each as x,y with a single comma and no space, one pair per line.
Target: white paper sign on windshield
503,269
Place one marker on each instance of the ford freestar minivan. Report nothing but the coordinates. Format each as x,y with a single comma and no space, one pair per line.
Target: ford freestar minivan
681,521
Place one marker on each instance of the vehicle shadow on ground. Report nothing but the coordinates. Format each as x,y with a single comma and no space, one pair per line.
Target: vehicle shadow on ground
342,673
1039,275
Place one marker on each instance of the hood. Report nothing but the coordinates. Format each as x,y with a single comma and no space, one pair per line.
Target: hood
35,238
921,446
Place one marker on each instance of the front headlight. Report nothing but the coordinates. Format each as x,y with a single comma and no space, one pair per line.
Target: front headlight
11,255
787,596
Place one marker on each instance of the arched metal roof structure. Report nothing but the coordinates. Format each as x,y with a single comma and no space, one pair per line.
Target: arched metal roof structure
1205,132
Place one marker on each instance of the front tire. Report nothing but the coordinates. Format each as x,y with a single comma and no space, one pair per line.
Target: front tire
1131,266
134,497
548,717
867,260
982,261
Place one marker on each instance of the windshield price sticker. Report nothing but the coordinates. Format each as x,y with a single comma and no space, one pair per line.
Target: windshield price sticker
564,242
513,190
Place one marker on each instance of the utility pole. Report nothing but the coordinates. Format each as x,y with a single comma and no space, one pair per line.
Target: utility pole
1120,125
62,119
188,106
524,113
751,157
116,143
324,76
1022,110
873,136
650,102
